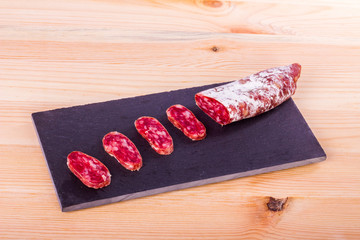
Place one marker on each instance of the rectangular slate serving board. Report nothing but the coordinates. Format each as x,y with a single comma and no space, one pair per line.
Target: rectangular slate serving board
275,140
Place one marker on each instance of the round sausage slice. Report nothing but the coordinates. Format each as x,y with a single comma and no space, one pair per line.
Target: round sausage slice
123,149
156,134
183,119
90,171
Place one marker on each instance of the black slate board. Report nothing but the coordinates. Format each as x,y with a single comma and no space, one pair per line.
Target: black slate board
275,140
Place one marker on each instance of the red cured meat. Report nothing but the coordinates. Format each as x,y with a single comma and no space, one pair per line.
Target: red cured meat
156,134
183,119
249,96
89,170
123,149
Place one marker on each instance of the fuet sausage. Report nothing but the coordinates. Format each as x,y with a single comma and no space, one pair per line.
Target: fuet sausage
249,96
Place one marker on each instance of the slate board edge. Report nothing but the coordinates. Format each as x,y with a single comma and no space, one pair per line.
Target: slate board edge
192,184
47,164
144,95
317,141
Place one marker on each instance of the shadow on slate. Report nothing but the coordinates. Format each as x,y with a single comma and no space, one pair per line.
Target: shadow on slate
275,140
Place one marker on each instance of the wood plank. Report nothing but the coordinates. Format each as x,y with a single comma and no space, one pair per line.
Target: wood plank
64,53
75,21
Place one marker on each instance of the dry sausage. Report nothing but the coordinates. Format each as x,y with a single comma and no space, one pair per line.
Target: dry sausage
156,134
183,119
249,96
88,169
123,149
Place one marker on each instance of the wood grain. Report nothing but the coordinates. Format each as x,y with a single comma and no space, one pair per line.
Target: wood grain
63,53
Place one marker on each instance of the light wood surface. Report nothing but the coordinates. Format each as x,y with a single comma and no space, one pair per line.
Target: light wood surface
62,53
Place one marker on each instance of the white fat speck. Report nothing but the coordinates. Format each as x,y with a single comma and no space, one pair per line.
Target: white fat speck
130,149
161,133
124,143
187,114
152,129
92,164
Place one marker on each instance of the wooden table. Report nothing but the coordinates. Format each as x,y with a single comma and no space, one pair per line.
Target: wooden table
62,53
